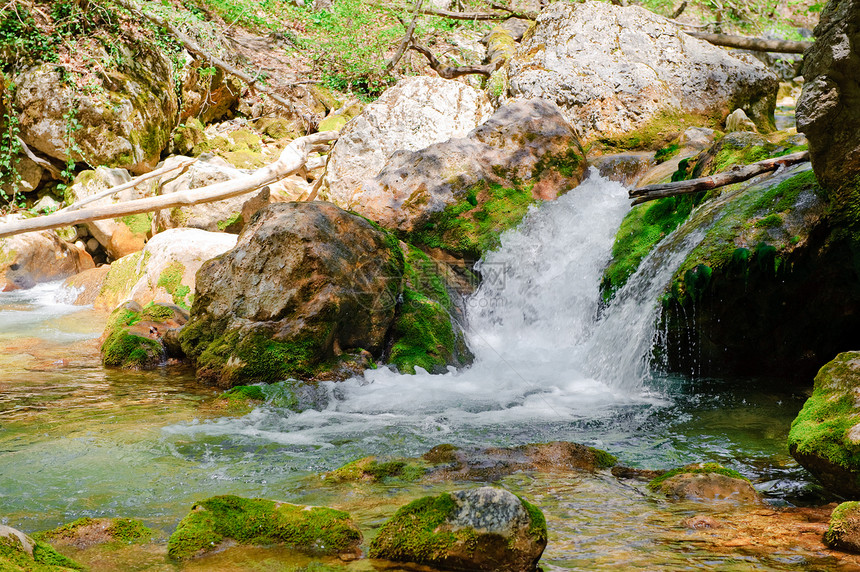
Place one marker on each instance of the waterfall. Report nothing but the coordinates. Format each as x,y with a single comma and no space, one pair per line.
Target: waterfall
545,353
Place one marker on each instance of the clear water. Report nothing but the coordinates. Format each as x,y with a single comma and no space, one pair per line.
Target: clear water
78,440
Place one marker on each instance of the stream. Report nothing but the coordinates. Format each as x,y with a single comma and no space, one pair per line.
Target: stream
77,439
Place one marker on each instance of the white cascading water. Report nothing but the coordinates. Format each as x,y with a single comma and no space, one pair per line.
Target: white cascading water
542,353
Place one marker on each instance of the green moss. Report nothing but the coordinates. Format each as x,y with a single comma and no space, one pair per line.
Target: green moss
660,130
123,275
413,534
171,280
423,333
281,394
372,470
821,428
640,231
120,530
224,224
701,468
603,460
663,154
317,530
537,521
468,229
770,221
13,558
124,349
840,522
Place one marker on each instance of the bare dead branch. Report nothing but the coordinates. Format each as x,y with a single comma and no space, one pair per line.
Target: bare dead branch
754,44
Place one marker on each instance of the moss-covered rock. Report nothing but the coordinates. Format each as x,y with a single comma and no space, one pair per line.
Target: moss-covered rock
290,394
646,225
307,288
843,532
478,529
132,338
425,334
825,436
85,532
370,469
20,553
704,481
189,139
315,530
772,288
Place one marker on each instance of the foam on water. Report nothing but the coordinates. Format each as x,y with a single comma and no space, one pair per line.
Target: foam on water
544,355
34,312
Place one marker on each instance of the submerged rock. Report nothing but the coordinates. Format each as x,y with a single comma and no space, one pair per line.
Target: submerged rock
704,481
417,112
827,111
454,463
19,552
479,529
843,532
310,529
460,195
35,257
86,532
825,436
627,75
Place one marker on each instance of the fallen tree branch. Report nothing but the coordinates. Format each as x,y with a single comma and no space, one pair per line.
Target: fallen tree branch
754,44
291,160
449,72
132,183
469,15
737,174
44,163
195,49
407,38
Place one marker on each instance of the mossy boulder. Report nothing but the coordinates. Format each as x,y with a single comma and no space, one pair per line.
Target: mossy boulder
772,287
289,394
843,532
35,257
307,286
460,195
86,532
646,225
313,530
133,336
825,436
704,481
425,333
124,123
189,139
479,529
20,553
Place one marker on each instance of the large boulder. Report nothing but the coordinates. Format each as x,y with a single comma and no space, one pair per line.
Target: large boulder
125,123
118,236
216,521
825,436
306,283
313,292
30,258
843,531
164,271
827,111
461,194
479,529
705,482
626,74
417,112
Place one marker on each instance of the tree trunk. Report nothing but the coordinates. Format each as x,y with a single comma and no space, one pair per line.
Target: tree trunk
292,159
754,44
